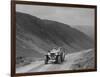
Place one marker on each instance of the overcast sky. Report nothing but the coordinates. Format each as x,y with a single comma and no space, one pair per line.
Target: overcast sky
67,15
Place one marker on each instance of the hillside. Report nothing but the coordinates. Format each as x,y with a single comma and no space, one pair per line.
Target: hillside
35,36
88,30
86,60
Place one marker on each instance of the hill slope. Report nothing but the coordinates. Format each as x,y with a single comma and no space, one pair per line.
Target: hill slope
34,36
88,30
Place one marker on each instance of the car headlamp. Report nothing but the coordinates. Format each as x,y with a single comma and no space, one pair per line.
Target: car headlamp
48,53
57,53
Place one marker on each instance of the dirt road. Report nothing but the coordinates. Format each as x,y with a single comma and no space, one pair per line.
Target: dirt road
39,66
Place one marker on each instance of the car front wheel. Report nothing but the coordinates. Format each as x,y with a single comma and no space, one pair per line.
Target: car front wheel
46,59
59,59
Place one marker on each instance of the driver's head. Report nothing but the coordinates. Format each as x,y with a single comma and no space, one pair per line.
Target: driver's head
55,48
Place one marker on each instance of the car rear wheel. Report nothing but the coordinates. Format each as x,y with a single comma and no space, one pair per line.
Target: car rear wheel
63,57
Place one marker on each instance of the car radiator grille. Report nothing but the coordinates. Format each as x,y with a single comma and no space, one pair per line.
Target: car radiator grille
52,54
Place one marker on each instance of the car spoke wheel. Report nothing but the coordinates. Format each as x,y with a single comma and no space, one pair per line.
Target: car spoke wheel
59,59
46,59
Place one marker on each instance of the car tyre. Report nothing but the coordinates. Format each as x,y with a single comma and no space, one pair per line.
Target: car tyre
46,59
59,59
63,57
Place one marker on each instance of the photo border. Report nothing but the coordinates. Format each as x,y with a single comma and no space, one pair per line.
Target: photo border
13,37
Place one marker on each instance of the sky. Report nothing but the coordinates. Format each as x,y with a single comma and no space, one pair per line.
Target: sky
67,15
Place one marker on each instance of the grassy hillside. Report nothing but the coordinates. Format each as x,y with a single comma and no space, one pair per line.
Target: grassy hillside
88,30
85,62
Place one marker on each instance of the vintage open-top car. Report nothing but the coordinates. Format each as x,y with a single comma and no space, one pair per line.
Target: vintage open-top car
56,55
